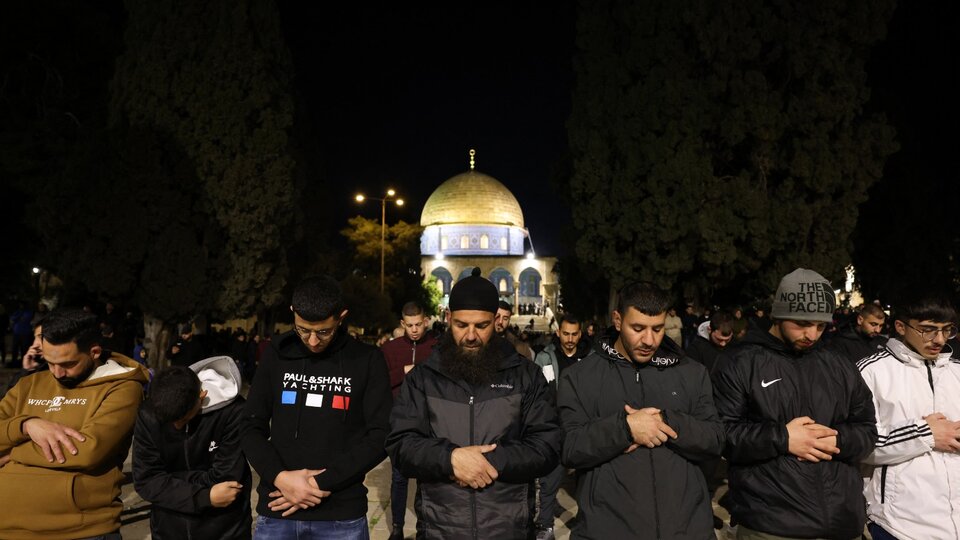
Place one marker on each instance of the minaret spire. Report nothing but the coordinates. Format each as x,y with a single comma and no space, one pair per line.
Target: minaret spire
472,161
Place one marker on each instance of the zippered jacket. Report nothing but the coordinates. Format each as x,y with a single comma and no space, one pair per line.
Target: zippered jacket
759,386
435,414
175,469
650,492
318,411
79,498
854,346
914,490
549,357
402,352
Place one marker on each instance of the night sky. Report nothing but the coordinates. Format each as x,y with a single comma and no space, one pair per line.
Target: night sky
395,96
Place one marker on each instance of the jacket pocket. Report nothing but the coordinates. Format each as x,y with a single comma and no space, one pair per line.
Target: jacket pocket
38,500
883,484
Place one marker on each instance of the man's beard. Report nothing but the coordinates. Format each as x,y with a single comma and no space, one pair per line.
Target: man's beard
72,382
473,367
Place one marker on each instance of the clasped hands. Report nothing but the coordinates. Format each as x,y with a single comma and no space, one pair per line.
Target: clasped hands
810,441
296,490
647,428
471,468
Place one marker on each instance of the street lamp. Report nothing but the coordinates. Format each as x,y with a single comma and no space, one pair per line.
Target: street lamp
391,195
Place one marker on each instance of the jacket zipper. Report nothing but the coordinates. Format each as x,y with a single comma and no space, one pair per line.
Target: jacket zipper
930,376
883,483
653,470
473,493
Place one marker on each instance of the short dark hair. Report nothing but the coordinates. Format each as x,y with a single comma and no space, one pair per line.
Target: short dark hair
318,299
645,297
505,305
173,392
722,320
64,326
926,308
410,309
874,310
570,318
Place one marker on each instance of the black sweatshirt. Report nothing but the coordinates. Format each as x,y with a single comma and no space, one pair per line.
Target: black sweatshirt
318,411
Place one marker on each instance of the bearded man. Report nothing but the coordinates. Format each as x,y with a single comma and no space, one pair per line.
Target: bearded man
475,425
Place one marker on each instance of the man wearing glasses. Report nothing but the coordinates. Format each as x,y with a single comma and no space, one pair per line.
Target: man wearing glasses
316,419
914,491
798,418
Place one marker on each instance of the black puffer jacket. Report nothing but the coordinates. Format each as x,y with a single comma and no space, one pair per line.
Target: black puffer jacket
435,414
854,346
647,493
759,386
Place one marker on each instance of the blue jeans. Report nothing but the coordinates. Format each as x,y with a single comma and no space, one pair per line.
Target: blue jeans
879,533
398,497
291,529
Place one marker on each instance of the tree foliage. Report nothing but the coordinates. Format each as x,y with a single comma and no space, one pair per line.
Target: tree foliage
721,144
212,77
403,277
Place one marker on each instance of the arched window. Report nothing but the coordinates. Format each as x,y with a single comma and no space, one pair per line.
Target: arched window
503,243
503,285
443,243
484,242
464,242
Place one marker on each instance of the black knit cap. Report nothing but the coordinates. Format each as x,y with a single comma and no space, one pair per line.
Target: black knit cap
474,293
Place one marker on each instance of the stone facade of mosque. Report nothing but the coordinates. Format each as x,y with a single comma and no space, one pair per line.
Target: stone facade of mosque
473,220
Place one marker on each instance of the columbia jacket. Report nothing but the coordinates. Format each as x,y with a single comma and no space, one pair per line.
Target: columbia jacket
759,386
318,411
650,492
175,469
81,497
436,414
914,490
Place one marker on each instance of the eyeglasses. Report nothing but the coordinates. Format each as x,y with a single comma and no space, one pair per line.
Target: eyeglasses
324,333
930,333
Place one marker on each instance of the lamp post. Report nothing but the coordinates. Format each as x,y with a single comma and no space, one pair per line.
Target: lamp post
391,195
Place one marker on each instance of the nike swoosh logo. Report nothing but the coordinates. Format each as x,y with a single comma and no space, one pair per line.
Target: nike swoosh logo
766,384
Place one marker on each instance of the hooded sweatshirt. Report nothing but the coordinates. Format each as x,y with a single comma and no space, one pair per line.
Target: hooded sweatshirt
649,492
318,411
81,497
175,469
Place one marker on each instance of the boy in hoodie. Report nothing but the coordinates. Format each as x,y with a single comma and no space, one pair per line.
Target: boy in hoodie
638,417
186,453
798,418
64,434
315,422
913,491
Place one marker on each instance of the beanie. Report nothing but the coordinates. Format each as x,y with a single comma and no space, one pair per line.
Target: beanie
804,295
474,293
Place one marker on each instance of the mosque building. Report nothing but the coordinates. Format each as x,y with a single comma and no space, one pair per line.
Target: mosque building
473,220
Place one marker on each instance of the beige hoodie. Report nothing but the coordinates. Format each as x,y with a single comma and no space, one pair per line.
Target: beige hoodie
78,498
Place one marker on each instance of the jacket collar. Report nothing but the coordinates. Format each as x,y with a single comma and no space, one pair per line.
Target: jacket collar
908,356
668,354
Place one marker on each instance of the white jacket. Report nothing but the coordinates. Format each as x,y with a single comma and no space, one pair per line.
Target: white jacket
914,491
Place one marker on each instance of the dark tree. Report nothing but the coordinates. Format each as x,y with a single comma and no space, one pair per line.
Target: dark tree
721,144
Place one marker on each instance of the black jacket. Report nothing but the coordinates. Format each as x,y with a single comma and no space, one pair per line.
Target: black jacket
175,469
648,493
760,385
704,351
318,411
435,414
853,345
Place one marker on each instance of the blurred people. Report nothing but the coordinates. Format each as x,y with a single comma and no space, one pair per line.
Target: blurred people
863,336
189,349
719,332
674,327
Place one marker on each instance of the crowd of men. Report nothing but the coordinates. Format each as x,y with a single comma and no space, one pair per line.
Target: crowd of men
819,438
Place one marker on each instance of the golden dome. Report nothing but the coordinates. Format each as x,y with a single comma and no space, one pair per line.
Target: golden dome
472,198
